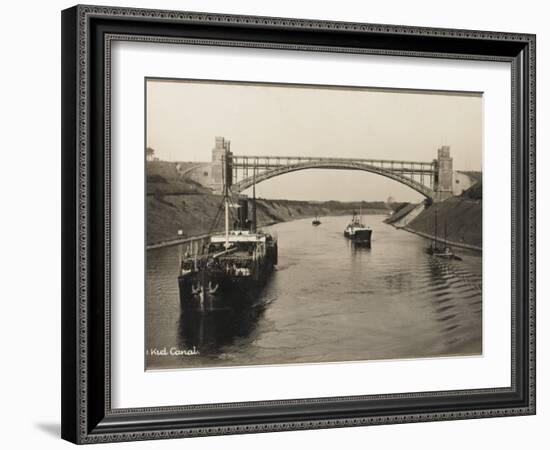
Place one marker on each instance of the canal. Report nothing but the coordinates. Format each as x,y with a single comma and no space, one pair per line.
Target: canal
327,301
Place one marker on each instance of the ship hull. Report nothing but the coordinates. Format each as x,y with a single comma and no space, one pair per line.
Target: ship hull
210,290
362,238
359,236
364,244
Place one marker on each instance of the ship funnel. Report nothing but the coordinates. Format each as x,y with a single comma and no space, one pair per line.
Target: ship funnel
243,214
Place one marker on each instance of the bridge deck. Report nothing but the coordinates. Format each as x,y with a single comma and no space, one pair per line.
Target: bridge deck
246,162
235,158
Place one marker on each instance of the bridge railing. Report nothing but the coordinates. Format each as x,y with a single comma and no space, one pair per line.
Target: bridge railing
269,162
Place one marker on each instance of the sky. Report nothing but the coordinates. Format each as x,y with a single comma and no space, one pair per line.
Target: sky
183,117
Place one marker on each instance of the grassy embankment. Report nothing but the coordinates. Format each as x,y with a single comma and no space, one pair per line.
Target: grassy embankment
461,216
175,202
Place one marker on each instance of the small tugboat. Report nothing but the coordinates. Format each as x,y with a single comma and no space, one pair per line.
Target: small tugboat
316,222
357,231
441,249
231,266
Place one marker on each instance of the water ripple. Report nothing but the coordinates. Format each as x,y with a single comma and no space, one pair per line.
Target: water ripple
328,301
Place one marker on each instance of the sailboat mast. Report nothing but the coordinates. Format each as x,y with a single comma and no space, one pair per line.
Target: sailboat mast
435,231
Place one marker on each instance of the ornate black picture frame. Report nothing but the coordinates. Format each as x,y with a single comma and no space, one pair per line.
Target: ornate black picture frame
87,34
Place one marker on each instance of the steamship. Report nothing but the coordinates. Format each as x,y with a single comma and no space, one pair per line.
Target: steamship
231,266
357,231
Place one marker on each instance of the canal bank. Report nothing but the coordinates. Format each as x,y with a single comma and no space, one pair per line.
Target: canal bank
459,221
262,222
179,210
447,242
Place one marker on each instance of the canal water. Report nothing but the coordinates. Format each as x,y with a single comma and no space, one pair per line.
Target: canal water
327,301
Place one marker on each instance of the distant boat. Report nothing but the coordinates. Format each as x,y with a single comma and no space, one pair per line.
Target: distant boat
441,249
357,231
316,221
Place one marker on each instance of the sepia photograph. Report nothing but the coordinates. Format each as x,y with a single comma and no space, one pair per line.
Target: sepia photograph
300,224
274,223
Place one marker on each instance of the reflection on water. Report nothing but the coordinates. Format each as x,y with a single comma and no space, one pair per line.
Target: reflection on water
327,301
212,331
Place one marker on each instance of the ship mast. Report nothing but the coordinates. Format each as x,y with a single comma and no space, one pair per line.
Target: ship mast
226,224
226,200
254,225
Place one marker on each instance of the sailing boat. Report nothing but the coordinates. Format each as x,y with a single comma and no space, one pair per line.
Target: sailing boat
441,249
316,221
231,265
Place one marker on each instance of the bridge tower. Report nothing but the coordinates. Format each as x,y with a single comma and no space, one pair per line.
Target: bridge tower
444,174
220,153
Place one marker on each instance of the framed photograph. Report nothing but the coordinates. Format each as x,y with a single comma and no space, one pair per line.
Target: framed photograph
277,224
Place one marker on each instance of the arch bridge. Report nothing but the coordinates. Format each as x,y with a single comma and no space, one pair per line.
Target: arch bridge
248,170
433,179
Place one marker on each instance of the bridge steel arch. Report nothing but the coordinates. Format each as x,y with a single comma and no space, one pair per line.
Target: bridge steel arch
245,183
